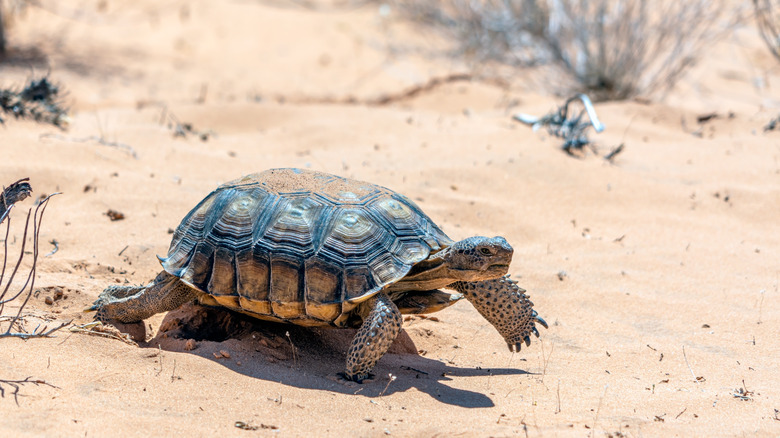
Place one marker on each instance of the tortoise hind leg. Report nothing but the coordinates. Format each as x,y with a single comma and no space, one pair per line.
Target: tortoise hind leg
374,337
136,303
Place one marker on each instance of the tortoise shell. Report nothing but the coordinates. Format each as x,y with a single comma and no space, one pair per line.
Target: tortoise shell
299,246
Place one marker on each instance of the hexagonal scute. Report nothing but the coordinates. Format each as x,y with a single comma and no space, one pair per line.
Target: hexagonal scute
387,269
352,237
294,228
410,250
398,216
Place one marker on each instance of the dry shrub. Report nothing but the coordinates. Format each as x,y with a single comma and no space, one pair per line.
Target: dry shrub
504,31
768,19
40,100
610,49
621,49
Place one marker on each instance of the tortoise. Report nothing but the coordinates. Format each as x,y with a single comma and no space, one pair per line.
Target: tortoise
315,249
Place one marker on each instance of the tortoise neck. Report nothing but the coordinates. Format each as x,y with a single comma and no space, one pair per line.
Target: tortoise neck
430,274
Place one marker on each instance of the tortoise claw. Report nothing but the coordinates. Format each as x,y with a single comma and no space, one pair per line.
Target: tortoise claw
535,331
540,320
357,378
527,340
515,347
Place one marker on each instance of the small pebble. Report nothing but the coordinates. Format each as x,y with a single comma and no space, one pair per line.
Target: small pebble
224,354
190,345
48,300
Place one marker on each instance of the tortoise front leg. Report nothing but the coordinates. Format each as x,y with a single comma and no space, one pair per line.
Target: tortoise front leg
374,337
136,303
505,305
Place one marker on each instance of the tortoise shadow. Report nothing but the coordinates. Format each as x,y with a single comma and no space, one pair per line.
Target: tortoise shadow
311,357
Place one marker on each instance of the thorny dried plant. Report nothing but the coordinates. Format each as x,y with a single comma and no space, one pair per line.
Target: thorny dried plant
609,49
9,292
40,100
569,125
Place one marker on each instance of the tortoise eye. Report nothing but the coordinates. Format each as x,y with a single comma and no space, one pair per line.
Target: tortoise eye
485,251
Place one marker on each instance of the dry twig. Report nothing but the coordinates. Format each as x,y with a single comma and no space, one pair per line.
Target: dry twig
695,378
17,384
9,196
98,139
391,379
97,328
292,347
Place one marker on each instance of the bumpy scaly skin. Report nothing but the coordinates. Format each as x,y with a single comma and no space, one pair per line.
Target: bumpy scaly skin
136,303
374,337
502,302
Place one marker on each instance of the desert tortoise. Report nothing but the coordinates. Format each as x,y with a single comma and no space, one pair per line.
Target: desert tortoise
315,249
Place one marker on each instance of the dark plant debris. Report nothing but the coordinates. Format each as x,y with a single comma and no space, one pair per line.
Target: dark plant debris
185,129
182,129
743,393
611,156
704,118
570,126
772,125
12,194
245,426
115,215
40,100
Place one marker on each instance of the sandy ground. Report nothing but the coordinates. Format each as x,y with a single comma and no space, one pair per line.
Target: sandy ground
658,273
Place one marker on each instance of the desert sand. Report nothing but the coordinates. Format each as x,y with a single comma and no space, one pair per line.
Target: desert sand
658,272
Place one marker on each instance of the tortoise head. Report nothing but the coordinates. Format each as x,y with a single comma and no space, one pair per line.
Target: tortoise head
479,258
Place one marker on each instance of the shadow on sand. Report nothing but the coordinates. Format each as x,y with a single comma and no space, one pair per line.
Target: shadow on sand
310,358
